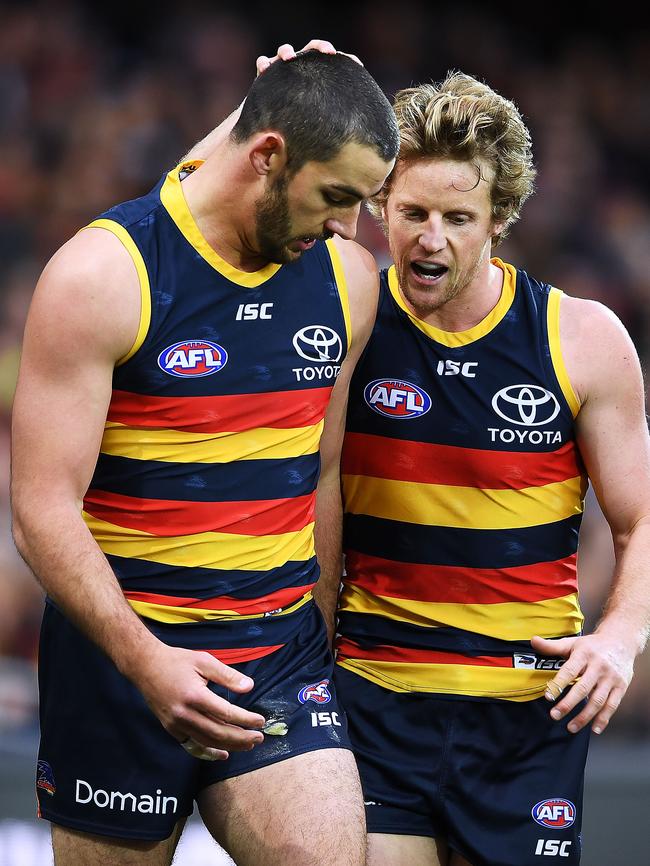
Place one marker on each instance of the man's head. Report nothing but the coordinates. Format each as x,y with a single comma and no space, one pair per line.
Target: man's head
464,120
463,173
324,136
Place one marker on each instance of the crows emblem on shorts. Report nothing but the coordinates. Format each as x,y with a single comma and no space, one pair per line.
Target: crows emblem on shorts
45,778
317,692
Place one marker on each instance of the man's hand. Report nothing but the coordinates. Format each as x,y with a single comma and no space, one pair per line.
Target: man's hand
174,683
287,52
600,668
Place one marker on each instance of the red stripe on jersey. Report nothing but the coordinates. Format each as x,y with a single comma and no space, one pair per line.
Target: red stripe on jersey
241,606
399,460
348,649
278,409
232,656
460,585
166,517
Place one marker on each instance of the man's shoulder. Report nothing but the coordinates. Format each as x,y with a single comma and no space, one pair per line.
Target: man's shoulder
589,321
90,287
597,349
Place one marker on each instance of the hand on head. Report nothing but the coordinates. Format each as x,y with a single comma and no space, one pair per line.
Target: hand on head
288,52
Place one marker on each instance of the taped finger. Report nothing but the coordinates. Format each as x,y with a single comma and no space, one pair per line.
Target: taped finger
196,750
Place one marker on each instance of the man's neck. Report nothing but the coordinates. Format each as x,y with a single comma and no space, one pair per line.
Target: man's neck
221,201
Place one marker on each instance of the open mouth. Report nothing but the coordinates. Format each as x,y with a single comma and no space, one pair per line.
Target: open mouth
302,244
429,271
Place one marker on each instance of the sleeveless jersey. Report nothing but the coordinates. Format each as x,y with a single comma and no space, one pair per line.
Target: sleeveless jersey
463,491
203,495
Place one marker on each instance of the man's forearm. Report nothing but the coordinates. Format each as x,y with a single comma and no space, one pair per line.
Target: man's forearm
628,606
74,572
328,539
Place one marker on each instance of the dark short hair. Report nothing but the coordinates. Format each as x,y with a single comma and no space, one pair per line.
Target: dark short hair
319,102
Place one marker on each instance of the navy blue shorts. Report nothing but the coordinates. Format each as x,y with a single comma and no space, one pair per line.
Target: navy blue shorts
107,766
500,781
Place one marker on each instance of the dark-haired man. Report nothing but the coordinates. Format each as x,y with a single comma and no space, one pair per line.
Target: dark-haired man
184,374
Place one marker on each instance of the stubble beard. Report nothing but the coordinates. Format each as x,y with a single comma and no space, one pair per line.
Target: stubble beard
458,281
273,223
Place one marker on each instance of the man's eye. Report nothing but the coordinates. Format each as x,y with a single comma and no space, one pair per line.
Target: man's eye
330,199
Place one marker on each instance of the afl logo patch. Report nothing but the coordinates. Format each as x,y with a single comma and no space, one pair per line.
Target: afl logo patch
394,398
192,358
556,813
317,692
318,343
527,405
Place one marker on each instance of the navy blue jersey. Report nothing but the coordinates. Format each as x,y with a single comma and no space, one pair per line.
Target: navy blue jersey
463,494
203,495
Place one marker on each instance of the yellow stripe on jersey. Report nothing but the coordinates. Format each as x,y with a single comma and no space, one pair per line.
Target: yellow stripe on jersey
508,683
513,620
143,277
341,283
173,199
463,507
171,614
463,338
263,443
205,549
553,327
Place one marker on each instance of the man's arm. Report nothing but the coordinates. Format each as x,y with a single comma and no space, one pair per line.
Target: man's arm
83,318
613,438
362,280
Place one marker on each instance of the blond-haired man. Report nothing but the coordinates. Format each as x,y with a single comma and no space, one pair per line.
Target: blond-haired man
484,401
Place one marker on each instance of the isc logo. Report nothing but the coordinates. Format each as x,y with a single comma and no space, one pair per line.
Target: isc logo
557,813
553,848
456,368
320,719
193,358
254,311
394,398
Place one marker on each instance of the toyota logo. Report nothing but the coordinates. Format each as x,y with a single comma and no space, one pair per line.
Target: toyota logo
528,405
318,343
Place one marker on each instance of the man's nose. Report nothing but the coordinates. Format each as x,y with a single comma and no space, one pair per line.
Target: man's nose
344,224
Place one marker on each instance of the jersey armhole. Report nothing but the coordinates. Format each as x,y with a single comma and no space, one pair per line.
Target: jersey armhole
143,277
342,286
553,328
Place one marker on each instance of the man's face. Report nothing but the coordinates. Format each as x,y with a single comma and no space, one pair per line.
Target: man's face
320,200
440,228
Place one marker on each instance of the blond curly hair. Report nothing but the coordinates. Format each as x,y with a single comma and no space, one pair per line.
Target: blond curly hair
462,118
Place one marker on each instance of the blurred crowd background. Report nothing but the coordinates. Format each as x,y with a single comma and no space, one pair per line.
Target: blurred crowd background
96,100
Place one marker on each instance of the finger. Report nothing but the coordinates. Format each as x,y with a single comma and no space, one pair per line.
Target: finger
262,63
217,672
579,692
553,646
568,674
611,705
196,750
351,56
215,734
286,52
594,705
223,712
321,45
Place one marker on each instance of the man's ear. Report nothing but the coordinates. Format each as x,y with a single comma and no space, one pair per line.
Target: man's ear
497,229
268,153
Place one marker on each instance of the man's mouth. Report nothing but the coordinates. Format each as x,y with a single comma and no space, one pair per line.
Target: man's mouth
430,272
305,243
